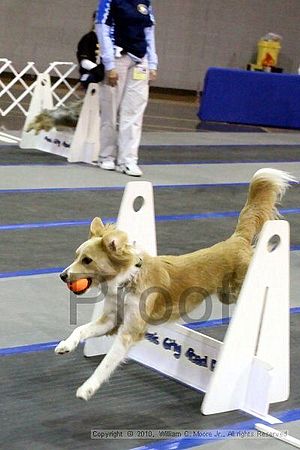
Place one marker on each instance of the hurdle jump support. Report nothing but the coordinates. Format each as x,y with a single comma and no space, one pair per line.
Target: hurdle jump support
51,141
82,145
44,95
41,99
253,368
85,146
137,213
249,370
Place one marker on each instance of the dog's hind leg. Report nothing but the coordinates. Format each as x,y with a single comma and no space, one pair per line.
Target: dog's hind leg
126,337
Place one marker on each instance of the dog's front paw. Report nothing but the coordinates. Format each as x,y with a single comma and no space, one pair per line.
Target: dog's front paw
87,390
65,347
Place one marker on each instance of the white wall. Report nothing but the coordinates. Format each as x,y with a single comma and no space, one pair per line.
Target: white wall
192,35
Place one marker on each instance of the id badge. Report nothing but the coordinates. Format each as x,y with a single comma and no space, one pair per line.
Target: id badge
140,72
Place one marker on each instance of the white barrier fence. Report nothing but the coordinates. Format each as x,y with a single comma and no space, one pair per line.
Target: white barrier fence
17,92
31,97
6,89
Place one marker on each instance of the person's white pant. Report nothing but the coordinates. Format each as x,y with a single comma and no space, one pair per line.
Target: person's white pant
127,100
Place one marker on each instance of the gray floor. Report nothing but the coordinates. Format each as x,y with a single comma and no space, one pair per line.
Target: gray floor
130,400
258,441
172,154
36,177
36,308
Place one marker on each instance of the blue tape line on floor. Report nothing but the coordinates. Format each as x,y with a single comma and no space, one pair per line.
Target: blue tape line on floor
29,226
161,218
224,321
61,189
32,348
117,188
46,345
32,272
208,323
121,188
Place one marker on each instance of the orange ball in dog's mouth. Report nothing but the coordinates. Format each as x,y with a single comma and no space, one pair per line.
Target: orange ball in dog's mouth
80,286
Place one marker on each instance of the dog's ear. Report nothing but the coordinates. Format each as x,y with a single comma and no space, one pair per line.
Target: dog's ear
115,241
96,228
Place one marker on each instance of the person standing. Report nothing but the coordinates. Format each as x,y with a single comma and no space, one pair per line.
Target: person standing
125,30
91,68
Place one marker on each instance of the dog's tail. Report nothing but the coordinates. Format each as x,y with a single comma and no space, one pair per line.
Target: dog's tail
266,189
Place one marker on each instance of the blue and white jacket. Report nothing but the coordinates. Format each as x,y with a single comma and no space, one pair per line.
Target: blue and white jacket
127,25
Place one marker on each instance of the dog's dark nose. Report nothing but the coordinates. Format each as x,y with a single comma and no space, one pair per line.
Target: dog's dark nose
64,276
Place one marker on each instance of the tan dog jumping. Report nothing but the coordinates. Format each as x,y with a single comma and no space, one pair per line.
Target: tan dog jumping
108,257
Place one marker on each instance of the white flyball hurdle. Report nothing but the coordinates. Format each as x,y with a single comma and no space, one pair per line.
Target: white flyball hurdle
249,370
83,145
142,229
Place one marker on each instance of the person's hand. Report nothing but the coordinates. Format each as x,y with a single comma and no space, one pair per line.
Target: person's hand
98,73
152,74
112,77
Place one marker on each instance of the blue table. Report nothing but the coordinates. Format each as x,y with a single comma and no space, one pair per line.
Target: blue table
256,98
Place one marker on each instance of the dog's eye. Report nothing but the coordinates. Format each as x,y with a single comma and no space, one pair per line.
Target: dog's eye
86,260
